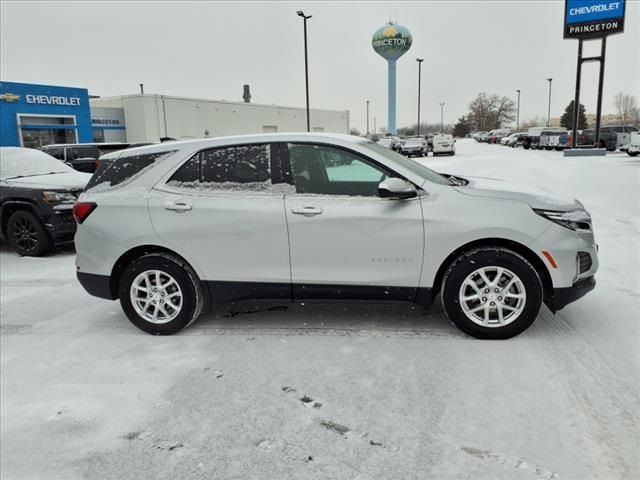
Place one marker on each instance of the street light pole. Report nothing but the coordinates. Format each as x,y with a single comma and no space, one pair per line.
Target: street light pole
419,60
442,117
306,63
549,111
367,118
518,113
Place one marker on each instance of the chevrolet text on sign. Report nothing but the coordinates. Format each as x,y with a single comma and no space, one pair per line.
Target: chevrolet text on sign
53,100
593,18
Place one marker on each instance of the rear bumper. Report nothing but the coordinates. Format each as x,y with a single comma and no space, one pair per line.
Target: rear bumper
96,285
564,296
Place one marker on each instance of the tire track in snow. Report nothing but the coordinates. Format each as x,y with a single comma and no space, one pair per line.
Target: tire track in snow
605,399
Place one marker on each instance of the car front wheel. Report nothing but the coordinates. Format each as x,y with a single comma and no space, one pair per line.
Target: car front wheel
27,235
492,293
160,294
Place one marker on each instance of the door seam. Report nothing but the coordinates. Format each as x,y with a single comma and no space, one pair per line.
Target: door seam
286,222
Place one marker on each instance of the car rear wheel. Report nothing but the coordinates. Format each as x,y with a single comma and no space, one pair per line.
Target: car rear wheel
27,235
492,293
160,294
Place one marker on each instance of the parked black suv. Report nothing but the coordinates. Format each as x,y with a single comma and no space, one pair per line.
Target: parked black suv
37,193
83,156
608,135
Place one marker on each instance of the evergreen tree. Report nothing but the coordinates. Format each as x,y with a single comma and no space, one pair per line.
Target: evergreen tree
462,128
567,118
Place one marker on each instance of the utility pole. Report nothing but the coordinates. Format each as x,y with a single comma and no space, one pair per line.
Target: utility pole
419,60
306,63
442,117
367,118
549,111
518,113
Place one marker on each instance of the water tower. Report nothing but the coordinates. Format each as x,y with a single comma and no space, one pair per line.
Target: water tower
391,42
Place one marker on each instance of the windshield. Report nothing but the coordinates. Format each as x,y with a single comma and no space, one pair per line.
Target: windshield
26,162
407,163
413,142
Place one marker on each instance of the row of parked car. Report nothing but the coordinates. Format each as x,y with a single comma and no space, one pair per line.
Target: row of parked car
612,137
437,144
84,156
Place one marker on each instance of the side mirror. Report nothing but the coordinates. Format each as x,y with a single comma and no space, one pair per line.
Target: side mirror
396,188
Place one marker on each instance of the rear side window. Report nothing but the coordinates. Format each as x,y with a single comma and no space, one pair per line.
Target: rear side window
117,171
74,153
243,168
55,152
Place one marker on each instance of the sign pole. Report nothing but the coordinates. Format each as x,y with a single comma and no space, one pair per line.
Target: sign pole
600,85
576,101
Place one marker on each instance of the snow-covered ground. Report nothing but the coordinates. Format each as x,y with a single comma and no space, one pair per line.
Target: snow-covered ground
334,391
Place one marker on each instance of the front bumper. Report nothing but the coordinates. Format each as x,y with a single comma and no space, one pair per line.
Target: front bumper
60,224
564,296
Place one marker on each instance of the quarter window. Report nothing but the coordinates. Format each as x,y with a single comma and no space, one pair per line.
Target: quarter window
321,169
116,171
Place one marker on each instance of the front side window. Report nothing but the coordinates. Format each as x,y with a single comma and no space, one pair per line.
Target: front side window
239,168
322,169
407,163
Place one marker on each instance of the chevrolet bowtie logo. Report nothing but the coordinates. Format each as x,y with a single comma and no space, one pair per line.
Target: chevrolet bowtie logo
9,97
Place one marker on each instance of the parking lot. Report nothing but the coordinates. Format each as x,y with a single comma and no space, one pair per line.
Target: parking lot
329,390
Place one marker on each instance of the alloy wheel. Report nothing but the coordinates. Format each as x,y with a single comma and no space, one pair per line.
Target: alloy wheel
492,296
156,296
24,234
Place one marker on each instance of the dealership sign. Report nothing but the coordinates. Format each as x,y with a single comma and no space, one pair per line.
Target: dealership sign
53,100
593,18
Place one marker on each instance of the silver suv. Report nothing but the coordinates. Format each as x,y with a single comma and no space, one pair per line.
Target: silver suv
172,228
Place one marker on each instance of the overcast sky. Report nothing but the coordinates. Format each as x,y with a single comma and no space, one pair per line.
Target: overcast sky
210,49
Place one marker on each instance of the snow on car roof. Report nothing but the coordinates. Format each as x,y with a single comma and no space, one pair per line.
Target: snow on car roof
241,139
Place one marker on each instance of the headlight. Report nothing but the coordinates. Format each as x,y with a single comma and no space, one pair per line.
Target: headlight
573,219
59,197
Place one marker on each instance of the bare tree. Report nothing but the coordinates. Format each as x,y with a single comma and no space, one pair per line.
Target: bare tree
487,112
627,107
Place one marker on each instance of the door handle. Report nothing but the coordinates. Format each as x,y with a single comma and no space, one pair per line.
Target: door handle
306,211
177,206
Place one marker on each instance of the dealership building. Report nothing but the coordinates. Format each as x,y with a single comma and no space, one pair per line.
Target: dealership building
36,115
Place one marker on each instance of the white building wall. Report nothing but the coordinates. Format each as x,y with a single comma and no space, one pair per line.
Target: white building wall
150,117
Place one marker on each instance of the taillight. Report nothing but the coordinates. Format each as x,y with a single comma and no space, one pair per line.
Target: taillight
97,163
81,210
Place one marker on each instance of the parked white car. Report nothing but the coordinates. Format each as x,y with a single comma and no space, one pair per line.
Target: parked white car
173,228
444,144
633,147
414,147
505,140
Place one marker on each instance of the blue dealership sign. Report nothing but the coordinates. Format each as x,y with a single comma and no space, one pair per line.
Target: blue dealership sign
35,115
593,18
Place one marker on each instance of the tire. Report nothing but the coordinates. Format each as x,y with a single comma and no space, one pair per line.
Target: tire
518,312
632,154
187,285
27,235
